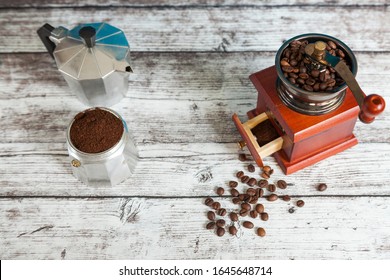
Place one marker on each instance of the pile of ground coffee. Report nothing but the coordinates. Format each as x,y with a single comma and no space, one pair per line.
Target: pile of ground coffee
95,131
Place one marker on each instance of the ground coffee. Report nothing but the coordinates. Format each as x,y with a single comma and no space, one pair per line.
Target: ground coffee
95,131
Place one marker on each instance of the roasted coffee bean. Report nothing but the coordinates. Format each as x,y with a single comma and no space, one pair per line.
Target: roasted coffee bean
287,69
232,230
340,53
281,184
246,206
259,192
263,183
286,198
211,215
284,63
308,88
220,191
264,216
220,223
242,157
265,175
321,187
253,214
260,232
251,168
303,76
323,86
247,224
310,82
208,201
244,197
216,205
239,174
300,203
316,87
315,73
251,191
234,192
244,179
236,200
302,69
293,75
292,80
271,188
272,197
332,44
252,182
244,212
233,184
233,216
253,199
267,168
210,225
241,197
222,212
259,208
301,81
220,231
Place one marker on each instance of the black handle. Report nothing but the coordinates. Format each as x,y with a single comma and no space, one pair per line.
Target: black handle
44,32
88,34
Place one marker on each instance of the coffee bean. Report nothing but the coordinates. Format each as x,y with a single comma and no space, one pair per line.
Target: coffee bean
233,216
284,63
246,206
259,192
323,86
308,88
247,224
265,175
264,216
236,200
340,53
222,212
211,215
272,197
271,187
251,168
287,69
234,192
321,187
244,179
286,198
220,223
251,191
310,82
233,184
253,199
300,203
208,201
263,183
252,182
239,174
332,44
281,184
232,230
220,231
301,81
253,214
216,205
315,73
267,168
316,87
292,80
210,225
220,191
259,208
303,76
244,212
244,197
260,232
242,157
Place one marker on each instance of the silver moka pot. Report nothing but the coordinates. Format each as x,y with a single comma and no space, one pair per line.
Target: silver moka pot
93,58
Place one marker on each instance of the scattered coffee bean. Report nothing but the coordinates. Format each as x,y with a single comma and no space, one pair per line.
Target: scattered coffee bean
252,182
208,201
263,183
281,184
259,208
232,230
300,203
220,231
272,197
236,200
251,168
244,212
233,216
222,212
267,168
234,192
210,225
271,188
246,206
259,192
265,175
251,191
216,205
233,184
321,187
220,191
244,197
211,215
247,224
253,214
286,198
253,199
261,232
244,179
242,157
239,174
220,223
264,216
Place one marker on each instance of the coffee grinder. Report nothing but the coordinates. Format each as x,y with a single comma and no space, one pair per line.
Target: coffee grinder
300,126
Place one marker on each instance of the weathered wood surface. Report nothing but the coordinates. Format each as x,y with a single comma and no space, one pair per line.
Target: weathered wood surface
192,60
207,29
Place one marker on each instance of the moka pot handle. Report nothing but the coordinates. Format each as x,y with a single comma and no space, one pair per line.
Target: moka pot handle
44,33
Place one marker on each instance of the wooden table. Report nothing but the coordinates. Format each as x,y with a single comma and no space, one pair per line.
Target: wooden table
191,62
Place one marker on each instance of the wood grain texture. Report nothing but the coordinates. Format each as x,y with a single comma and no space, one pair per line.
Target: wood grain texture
214,29
133,228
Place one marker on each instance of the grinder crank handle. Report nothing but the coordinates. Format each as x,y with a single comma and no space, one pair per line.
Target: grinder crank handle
370,106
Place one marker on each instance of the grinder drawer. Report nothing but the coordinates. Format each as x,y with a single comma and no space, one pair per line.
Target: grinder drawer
259,135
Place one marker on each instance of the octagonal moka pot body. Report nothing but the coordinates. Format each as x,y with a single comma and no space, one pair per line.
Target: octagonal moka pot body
299,127
93,58
109,167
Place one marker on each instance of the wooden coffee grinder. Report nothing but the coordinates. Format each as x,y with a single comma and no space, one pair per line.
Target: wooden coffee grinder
301,127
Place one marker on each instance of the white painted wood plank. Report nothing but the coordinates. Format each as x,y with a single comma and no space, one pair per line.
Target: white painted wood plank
211,29
197,170
134,228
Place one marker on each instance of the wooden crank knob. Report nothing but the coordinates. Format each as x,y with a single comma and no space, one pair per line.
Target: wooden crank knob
371,107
